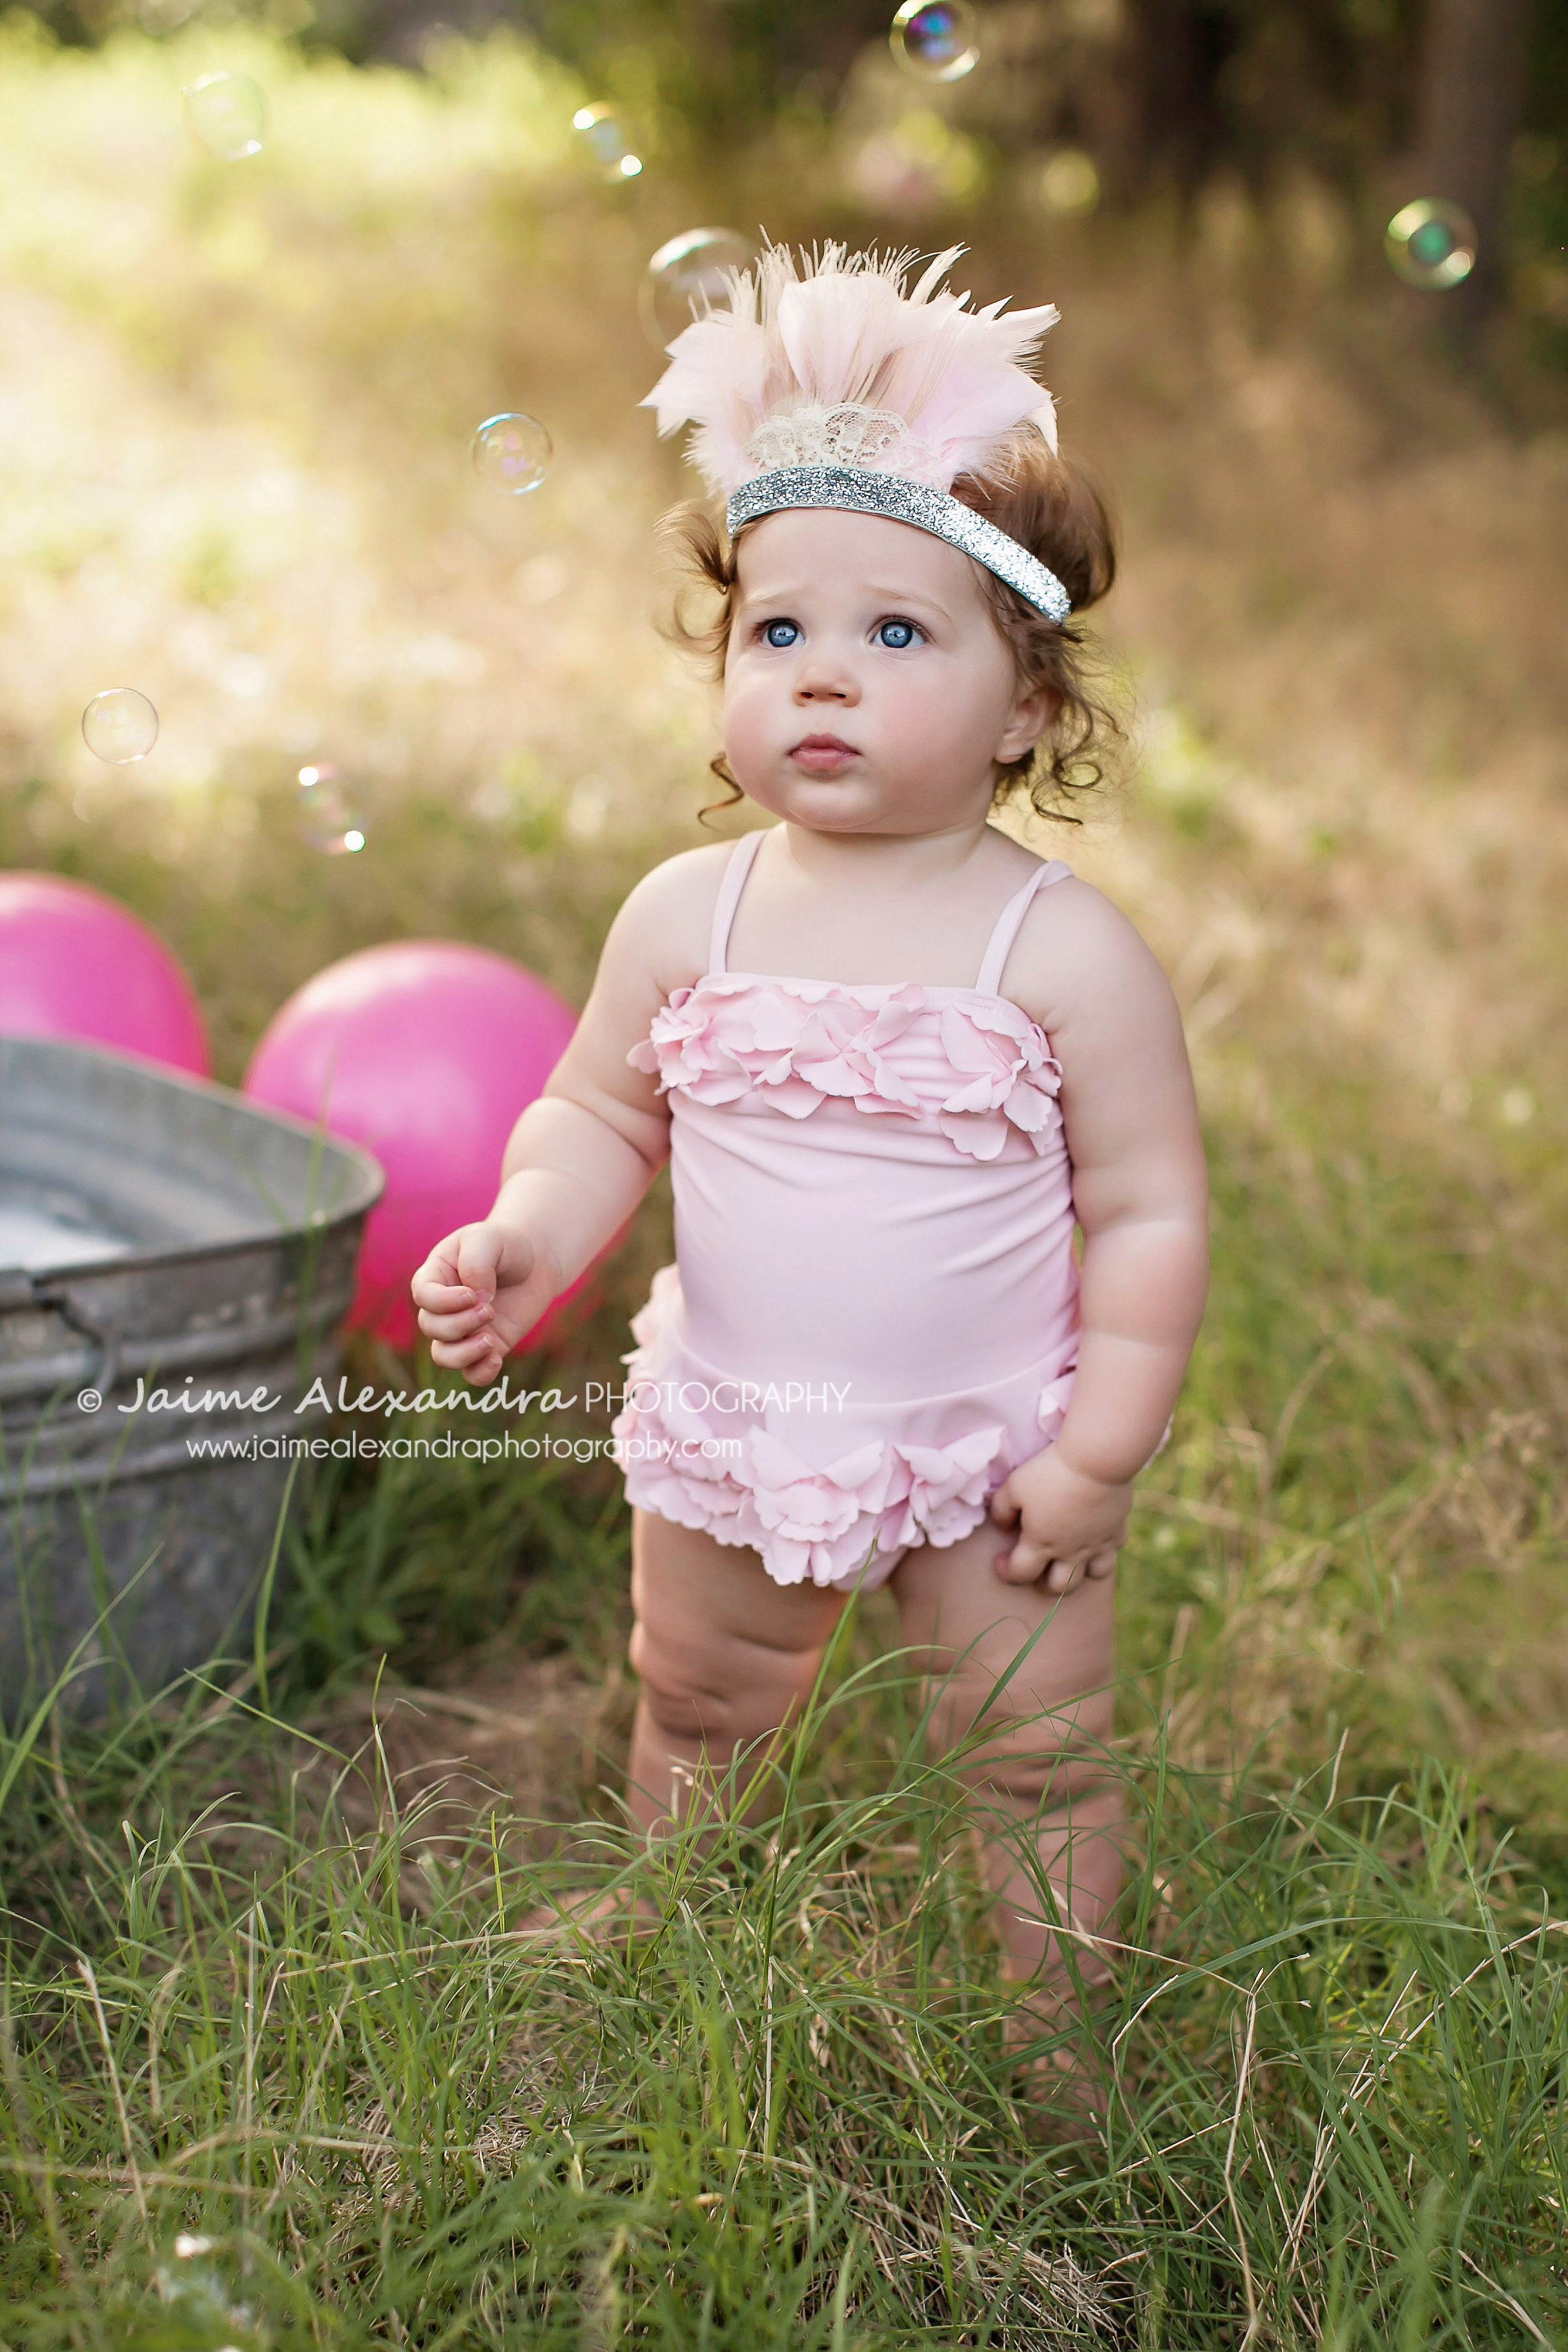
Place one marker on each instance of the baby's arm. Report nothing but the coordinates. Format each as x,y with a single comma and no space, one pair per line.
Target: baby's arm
581,1158
1141,1192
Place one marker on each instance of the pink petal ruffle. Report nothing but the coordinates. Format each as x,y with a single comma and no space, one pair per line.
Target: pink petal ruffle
824,1524
796,1044
1008,1076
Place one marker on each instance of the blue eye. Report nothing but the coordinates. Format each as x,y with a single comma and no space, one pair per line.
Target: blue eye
897,635
781,633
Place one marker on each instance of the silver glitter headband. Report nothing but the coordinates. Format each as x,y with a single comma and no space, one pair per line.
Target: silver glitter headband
903,501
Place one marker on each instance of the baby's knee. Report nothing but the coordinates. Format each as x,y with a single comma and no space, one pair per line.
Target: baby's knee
1073,1781
718,1692
1057,1758
683,1701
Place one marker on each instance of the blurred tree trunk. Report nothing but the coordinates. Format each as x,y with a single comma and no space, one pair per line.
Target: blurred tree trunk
1473,109
1178,50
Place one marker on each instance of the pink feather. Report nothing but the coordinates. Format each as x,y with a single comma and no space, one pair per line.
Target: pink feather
842,331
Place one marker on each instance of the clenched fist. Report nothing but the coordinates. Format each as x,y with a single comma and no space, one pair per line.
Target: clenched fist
1069,1525
477,1292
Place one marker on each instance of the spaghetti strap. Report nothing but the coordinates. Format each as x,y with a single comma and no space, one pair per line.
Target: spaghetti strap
742,859
999,946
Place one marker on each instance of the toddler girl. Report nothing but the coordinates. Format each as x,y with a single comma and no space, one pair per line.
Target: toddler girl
894,1058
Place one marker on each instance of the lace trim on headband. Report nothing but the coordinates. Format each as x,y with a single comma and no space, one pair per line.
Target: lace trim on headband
849,434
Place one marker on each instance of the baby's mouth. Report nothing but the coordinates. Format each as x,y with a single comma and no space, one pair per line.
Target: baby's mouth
823,754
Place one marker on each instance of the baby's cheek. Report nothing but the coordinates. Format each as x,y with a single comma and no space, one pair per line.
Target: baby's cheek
925,735
750,723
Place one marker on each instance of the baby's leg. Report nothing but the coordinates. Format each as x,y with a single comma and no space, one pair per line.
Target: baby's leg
1039,1763
724,1656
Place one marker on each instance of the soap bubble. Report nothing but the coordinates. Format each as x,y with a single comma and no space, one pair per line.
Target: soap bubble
1070,183
227,114
329,819
598,128
1431,244
935,39
120,725
686,276
512,452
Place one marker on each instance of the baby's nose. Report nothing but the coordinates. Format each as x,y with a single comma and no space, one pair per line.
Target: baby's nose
826,686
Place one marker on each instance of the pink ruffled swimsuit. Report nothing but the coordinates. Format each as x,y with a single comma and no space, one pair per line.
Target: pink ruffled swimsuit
874,1315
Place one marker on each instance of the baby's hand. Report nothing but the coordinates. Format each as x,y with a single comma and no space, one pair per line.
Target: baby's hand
477,1292
1069,1525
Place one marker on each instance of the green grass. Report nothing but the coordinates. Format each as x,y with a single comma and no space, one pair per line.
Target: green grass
263,1988
782,2115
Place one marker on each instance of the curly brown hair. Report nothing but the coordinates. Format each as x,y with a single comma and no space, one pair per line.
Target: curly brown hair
1050,505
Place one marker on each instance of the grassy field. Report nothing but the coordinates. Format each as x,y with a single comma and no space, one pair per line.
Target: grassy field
263,1995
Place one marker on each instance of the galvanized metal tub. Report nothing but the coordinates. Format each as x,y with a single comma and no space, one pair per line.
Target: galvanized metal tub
159,1236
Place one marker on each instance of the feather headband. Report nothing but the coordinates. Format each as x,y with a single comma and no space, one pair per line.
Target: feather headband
832,387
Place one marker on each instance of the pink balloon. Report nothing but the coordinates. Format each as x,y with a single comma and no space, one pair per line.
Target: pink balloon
424,1052
75,963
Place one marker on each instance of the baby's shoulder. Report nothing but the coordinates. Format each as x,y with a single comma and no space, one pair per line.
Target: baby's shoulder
1076,952
666,919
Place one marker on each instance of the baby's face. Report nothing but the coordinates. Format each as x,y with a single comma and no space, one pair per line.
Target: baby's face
867,687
